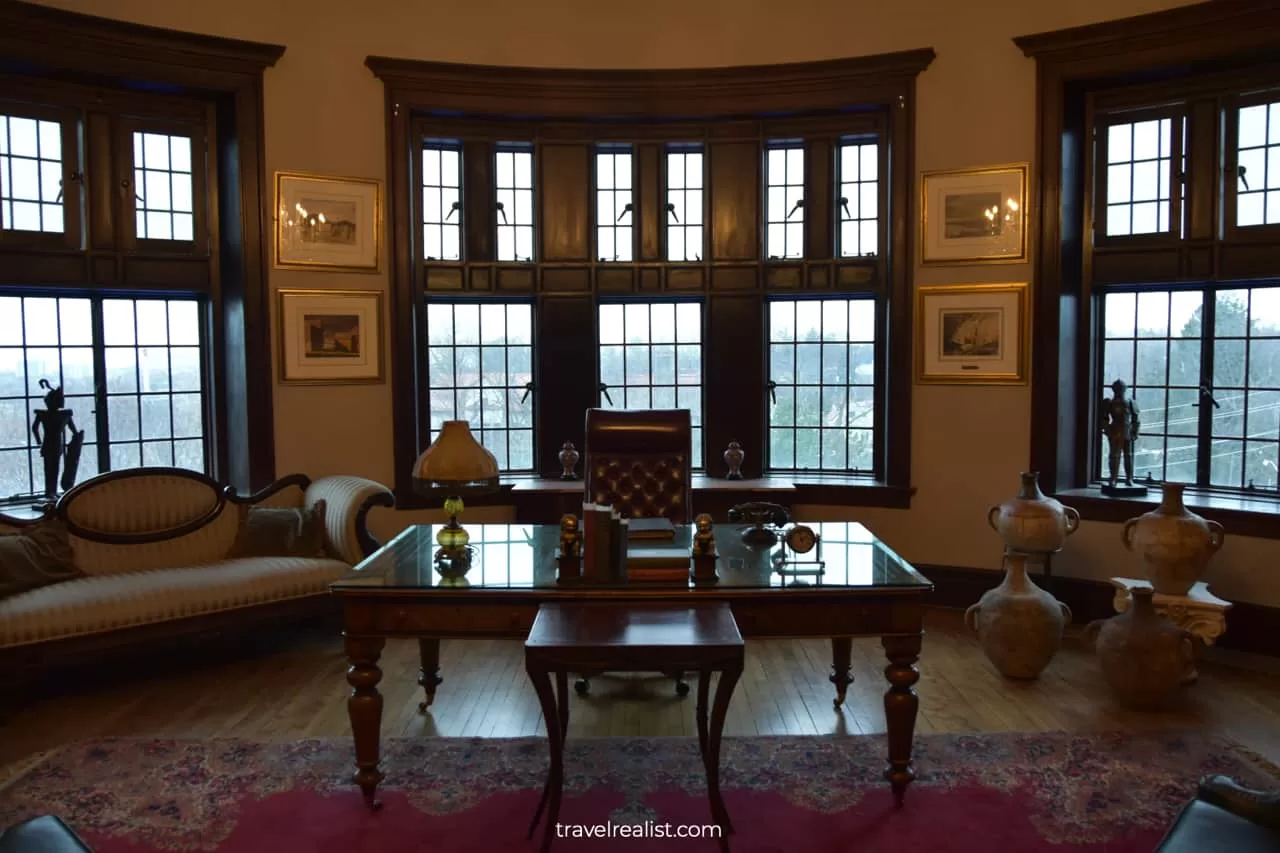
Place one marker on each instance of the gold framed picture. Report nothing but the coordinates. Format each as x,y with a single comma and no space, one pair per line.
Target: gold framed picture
330,337
328,223
972,334
974,216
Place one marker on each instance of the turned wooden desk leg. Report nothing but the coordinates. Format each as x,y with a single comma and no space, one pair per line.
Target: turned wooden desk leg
724,692
429,675
900,706
364,707
700,714
556,723
841,666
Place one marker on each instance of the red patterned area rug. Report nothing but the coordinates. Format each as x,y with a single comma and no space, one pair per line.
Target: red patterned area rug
1098,793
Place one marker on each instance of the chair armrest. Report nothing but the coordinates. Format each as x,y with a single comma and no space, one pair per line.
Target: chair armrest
1260,807
347,504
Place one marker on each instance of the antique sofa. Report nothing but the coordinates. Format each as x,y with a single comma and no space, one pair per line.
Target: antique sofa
158,552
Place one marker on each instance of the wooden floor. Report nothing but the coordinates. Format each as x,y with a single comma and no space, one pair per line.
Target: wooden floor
297,689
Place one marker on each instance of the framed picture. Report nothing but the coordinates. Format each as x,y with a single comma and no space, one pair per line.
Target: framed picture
973,333
329,223
330,337
974,215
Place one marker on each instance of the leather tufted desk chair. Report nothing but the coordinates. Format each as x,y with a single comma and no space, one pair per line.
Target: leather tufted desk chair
638,461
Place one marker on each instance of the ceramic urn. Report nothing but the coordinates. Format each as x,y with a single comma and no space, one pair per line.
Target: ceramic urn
1144,657
1174,543
1019,625
1030,521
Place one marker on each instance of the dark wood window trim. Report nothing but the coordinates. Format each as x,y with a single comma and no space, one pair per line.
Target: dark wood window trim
1071,65
865,95
41,44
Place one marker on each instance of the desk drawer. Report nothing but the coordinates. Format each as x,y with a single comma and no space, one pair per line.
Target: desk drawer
760,619
445,621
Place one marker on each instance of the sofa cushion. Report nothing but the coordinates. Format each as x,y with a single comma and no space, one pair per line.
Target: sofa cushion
268,531
92,605
38,556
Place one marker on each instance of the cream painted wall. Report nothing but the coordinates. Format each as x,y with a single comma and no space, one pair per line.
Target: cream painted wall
975,106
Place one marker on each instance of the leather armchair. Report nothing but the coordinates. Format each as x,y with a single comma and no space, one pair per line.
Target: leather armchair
1226,818
638,461
45,834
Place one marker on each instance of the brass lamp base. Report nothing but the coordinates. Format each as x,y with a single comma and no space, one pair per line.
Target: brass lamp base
453,558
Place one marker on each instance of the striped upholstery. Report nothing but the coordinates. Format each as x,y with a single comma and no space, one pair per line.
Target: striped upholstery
137,584
206,545
127,599
343,497
150,503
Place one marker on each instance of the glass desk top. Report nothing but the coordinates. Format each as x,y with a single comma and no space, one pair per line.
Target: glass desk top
523,556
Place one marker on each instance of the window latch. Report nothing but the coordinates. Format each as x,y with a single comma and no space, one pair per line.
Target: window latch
844,204
456,207
1240,172
1207,394
74,177
502,211
529,388
773,392
671,208
626,208
799,204
604,389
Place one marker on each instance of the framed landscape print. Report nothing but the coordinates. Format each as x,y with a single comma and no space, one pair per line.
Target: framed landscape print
330,337
973,333
974,215
329,223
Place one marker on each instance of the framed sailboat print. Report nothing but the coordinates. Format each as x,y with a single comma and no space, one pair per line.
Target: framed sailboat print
972,334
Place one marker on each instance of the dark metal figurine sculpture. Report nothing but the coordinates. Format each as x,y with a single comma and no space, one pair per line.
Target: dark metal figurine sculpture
49,430
1120,424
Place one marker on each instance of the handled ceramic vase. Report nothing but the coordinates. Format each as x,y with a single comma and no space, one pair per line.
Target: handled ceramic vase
1030,521
1019,625
1174,543
1144,657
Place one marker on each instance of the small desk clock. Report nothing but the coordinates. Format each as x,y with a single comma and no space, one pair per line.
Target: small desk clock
800,540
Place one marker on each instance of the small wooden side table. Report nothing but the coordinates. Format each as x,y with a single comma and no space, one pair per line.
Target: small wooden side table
628,638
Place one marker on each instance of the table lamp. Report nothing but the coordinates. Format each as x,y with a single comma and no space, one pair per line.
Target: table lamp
453,467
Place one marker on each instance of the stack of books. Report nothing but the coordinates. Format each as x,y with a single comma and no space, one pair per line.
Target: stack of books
637,550
652,528
658,564
604,544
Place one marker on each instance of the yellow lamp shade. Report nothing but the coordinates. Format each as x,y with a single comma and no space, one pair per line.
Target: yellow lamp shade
455,463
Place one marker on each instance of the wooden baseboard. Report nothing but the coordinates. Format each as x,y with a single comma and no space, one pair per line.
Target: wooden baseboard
1250,627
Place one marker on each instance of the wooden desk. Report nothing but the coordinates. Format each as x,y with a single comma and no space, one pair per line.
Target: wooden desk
608,637
866,591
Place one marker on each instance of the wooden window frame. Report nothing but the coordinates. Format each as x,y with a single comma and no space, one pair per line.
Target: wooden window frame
1171,51
1096,187
664,189
201,178
648,109
72,234
217,79
1269,233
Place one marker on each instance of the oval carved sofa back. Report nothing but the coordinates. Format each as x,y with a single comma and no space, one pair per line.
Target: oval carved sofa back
148,518
143,504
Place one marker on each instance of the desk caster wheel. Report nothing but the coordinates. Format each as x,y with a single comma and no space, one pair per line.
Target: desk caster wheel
582,687
682,687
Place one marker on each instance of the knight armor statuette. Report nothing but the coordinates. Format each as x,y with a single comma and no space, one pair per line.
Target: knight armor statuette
1120,424
50,428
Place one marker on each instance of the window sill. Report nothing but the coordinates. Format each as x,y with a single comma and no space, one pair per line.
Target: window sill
545,499
1243,515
